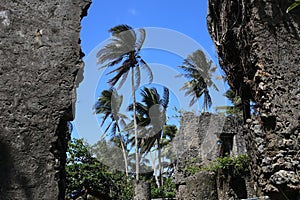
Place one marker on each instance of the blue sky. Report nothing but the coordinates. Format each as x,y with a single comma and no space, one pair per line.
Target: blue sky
173,30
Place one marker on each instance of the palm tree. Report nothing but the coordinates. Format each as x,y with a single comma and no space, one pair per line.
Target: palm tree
108,104
151,113
169,133
124,47
199,72
237,106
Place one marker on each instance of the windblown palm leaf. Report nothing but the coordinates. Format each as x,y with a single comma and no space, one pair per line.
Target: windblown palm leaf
108,104
124,47
198,70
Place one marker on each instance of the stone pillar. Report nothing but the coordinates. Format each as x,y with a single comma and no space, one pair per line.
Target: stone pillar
258,47
40,57
142,191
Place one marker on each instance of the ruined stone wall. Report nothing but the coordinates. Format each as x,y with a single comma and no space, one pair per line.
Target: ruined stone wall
40,57
259,46
196,145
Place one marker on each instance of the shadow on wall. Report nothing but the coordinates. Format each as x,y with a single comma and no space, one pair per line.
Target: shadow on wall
10,178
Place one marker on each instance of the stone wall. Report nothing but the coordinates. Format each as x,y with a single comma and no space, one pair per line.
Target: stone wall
258,47
40,57
197,144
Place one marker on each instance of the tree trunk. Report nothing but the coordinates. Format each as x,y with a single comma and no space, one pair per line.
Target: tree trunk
159,161
123,151
137,164
154,170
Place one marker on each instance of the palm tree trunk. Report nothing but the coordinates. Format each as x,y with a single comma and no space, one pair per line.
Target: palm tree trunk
123,151
154,170
137,165
159,161
125,158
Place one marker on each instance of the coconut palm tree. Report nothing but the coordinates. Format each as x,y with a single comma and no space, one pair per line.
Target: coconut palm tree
199,72
237,106
124,47
108,104
168,161
151,113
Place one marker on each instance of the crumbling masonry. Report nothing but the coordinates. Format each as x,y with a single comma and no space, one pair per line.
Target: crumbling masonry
259,46
40,58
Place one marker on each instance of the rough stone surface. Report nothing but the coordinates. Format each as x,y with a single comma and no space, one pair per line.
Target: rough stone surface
197,145
40,57
142,191
201,186
198,136
258,47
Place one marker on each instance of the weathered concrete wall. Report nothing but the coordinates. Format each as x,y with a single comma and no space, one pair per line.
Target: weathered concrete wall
40,57
259,47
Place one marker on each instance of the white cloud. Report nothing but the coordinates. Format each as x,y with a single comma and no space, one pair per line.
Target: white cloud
132,11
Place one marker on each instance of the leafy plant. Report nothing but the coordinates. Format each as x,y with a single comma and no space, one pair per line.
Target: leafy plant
85,173
192,166
168,190
294,5
236,166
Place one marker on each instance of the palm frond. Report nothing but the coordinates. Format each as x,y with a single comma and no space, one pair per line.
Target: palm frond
104,118
123,79
111,63
111,52
198,69
145,66
294,5
165,100
208,99
141,40
108,126
119,29
120,72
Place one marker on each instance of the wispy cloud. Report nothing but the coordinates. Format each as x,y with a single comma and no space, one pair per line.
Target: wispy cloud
132,11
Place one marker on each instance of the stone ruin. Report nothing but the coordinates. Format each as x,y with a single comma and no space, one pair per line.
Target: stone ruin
258,44
40,65
258,47
202,139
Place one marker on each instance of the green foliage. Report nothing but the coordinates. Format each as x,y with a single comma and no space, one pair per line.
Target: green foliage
236,109
83,170
192,166
294,5
168,190
192,169
235,166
